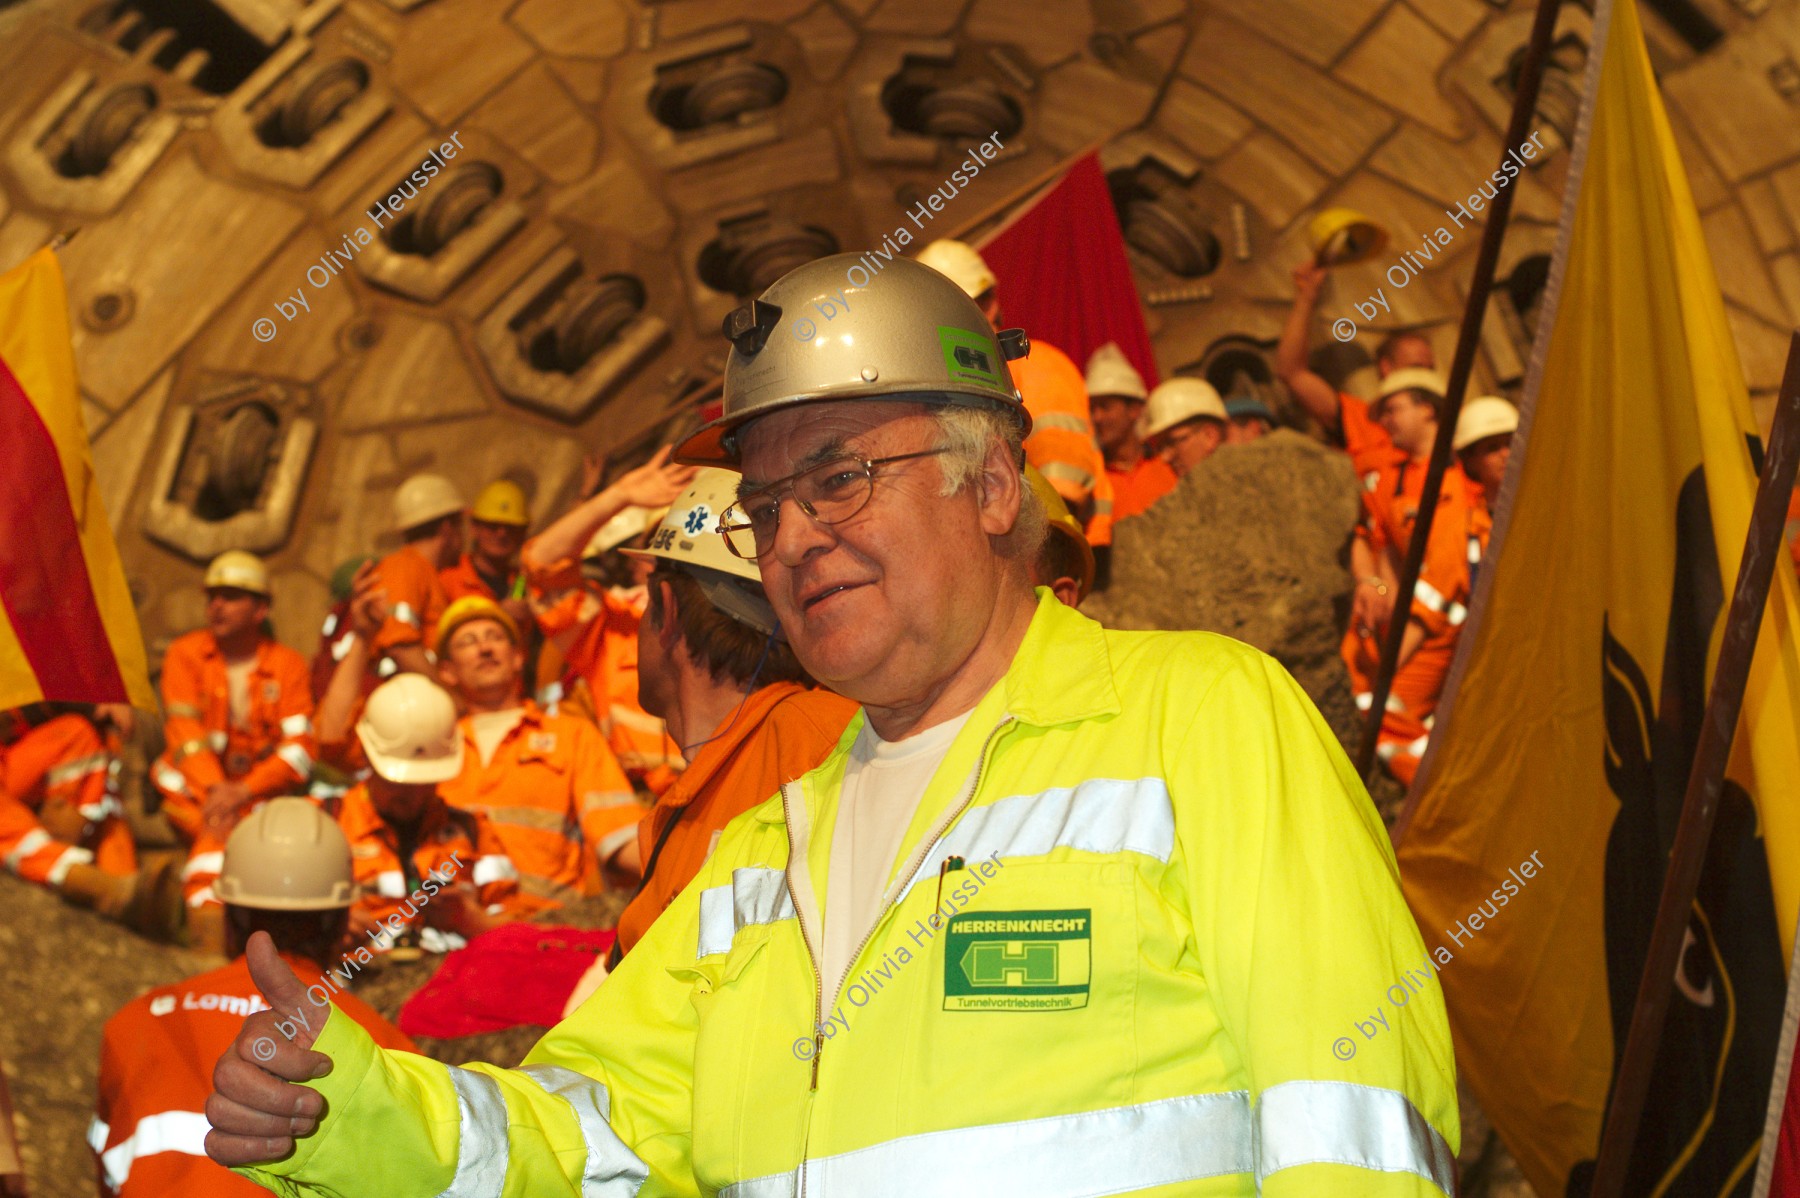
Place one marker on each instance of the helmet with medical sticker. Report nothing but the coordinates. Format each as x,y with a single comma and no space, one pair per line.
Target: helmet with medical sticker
235,568
815,336
688,538
409,731
287,855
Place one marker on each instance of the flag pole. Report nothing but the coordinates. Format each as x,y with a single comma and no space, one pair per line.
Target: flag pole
1706,781
1531,75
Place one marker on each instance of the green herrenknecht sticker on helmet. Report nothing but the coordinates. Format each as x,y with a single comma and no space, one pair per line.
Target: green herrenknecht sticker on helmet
971,357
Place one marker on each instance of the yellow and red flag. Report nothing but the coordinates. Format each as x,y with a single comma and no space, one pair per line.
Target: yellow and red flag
68,631
1570,719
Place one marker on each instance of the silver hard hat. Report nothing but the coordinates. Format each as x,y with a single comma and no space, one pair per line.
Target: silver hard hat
836,329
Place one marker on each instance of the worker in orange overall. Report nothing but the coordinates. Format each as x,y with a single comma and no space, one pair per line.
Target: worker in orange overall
551,789
428,515
238,724
61,825
595,627
1116,399
287,875
427,873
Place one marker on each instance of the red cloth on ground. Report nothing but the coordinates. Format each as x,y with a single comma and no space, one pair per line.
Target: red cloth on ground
521,973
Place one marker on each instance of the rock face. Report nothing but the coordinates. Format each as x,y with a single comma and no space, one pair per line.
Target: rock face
1254,544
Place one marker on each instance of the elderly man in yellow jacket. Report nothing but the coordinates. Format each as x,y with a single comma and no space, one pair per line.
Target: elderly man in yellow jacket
1067,912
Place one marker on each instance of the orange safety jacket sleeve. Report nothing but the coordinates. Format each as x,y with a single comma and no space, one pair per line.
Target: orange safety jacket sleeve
290,765
605,803
62,761
415,599
190,748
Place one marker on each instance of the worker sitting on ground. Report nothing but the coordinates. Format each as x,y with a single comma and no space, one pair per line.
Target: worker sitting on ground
405,840
428,515
595,627
237,708
1066,912
547,784
287,875
712,664
1116,397
1185,422
1065,564
1347,420
1061,442
61,825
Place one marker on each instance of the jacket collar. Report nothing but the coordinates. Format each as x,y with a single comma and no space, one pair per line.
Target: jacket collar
712,757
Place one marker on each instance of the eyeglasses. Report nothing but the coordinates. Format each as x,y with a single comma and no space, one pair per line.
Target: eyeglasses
830,493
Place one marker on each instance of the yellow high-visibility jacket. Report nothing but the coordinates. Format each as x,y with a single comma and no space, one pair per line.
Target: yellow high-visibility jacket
1166,907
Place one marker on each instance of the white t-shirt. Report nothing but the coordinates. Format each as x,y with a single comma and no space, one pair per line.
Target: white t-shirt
237,690
491,727
883,783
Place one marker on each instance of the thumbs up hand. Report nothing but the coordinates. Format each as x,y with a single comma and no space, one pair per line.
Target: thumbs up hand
255,1108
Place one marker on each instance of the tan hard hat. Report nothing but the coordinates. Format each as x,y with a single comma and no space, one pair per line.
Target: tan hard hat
409,731
287,855
1412,378
1110,372
235,568
1178,400
472,607
632,522
502,502
1488,416
961,263
906,334
424,498
1064,524
689,537
1341,236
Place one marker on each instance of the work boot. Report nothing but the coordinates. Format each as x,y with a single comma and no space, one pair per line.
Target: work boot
148,902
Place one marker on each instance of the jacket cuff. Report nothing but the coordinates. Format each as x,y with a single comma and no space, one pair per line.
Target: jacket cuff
352,1052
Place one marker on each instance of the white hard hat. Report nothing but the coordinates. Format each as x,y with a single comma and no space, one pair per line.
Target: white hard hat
689,537
1489,416
235,568
1110,372
1412,378
961,264
409,731
424,498
1181,399
631,522
287,855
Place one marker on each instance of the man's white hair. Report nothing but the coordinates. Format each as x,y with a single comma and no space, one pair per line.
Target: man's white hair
969,435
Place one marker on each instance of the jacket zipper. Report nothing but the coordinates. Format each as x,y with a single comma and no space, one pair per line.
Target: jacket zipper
912,866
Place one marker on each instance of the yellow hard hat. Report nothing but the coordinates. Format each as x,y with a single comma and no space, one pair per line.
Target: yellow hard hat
408,729
1063,524
961,264
424,498
1342,236
235,568
502,502
287,855
1488,416
472,607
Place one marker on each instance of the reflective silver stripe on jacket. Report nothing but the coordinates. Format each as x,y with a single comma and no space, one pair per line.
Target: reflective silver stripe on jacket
72,856
1114,1151
404,613
1100,815
495,867
1313,1123
297,758
390,883
28,844
756,895
171,779
1433,598
167,1131
216,741
481,1146
204,863
295,725
613,1170
81,767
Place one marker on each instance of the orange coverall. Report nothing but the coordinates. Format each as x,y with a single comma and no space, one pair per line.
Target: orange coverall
460,845
62,767
415,597
1459,538
781,731
605,653
270,754
156,1065
1061,444
1370,448
1136,489
556,797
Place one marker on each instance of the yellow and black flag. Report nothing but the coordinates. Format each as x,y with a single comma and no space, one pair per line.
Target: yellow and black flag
1572,713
